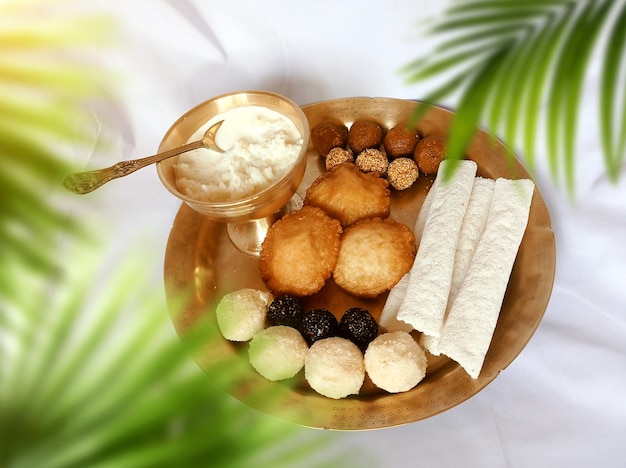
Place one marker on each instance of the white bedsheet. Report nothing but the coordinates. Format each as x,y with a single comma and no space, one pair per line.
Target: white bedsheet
562,401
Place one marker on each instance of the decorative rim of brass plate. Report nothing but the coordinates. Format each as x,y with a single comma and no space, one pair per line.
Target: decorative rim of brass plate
199,257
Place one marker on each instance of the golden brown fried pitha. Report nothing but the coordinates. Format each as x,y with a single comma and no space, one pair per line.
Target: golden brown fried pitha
299,252
349,195
373,257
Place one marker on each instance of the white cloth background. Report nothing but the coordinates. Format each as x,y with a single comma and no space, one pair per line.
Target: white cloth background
562,401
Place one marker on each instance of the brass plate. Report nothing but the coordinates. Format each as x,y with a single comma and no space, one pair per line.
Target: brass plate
200,256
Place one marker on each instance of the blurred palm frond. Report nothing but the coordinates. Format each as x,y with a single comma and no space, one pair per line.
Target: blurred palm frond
44,87
84,383
91,371
519,68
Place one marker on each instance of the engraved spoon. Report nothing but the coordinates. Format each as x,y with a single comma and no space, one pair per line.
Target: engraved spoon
85,182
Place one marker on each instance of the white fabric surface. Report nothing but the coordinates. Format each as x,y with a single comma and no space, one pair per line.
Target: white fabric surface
562,401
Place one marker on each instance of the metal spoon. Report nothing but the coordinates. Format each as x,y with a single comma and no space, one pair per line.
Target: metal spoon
85,182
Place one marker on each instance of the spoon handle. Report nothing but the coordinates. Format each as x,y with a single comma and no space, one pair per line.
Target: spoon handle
85,182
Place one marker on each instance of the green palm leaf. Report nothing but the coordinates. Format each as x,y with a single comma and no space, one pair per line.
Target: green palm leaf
106,395
91,371
614,137
526,63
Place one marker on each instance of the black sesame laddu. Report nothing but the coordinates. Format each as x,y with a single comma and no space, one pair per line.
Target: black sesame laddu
358,326
285,310
318,324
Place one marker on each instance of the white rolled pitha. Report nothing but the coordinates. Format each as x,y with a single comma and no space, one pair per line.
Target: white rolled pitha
472,228
389,315
472,318
426,297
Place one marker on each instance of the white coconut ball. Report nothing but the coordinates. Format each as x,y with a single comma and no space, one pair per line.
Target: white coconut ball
334,367
278,352
395,362
242,313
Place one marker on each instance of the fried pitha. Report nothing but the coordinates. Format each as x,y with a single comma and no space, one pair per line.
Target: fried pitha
299,252
373,257
349,195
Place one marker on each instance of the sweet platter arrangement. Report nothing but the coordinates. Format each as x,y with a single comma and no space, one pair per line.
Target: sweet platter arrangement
201,258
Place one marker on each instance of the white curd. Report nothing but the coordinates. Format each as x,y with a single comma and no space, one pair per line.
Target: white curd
260,146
